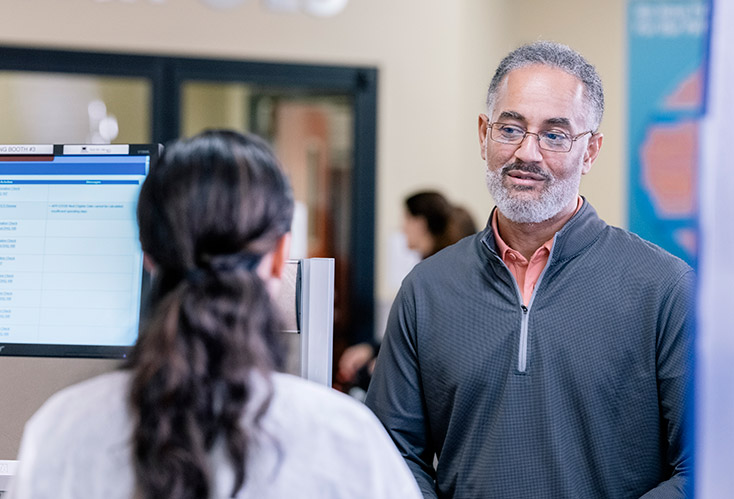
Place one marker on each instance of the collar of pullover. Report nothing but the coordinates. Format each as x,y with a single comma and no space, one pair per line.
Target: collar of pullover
579,232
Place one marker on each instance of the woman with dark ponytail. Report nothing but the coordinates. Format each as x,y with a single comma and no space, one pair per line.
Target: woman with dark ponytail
199,410
430,223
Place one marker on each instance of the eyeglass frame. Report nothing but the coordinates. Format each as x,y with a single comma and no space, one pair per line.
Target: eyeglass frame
574,138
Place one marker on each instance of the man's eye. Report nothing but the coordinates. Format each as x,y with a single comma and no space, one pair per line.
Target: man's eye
511,131
555,136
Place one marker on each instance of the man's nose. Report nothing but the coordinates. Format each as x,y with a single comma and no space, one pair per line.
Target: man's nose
528,150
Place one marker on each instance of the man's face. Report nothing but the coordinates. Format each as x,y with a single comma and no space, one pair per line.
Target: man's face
529,184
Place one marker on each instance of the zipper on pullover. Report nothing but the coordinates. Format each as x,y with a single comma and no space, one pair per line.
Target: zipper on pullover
522,352
522,348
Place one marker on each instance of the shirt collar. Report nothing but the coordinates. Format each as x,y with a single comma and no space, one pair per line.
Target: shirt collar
503,249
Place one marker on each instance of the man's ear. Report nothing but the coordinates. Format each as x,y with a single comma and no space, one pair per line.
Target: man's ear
281,253
482,129
592,151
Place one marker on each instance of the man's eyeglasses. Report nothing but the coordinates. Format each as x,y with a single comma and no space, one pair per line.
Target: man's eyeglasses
548,140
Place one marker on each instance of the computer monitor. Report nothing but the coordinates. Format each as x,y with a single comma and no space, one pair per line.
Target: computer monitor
71,267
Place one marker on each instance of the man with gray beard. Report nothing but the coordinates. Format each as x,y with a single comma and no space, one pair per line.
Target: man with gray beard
550,354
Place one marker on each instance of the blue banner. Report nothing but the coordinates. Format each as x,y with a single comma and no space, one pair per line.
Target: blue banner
667,42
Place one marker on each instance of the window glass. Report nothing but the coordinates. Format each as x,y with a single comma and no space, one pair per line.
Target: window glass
55,108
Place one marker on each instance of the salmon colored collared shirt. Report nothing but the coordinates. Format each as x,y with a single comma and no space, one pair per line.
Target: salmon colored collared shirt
526,272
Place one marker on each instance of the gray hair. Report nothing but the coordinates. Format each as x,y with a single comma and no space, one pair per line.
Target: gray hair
554,55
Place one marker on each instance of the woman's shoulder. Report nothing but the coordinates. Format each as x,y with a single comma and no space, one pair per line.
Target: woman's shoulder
309,412
335,440
78,441
315,401
75,409
102,388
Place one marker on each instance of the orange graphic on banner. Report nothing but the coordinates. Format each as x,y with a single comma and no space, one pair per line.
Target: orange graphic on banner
669,159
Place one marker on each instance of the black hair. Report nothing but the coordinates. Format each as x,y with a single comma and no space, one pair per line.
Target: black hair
211,208
445,222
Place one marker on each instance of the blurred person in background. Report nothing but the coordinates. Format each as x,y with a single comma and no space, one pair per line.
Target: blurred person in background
430,223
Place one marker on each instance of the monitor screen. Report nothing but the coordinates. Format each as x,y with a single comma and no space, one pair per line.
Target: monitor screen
71,267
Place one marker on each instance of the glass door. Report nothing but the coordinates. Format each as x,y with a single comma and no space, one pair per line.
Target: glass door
312,134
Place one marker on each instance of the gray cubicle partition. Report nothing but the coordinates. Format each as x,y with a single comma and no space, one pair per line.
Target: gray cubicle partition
306,299
309,284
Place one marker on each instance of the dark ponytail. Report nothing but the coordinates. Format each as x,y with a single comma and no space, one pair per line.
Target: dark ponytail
208,212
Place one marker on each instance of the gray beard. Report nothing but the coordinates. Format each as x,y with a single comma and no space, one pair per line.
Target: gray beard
556,194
